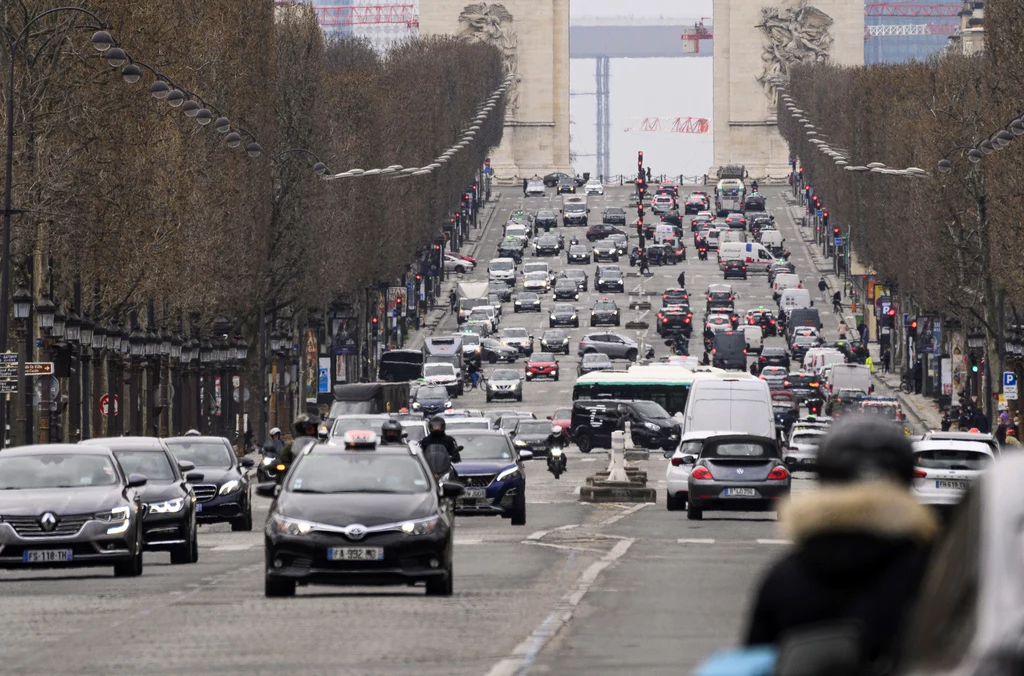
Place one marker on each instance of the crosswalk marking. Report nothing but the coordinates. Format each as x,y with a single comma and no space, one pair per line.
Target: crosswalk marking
468,541
768,541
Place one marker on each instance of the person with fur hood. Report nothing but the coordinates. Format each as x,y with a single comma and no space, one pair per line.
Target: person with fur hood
861,546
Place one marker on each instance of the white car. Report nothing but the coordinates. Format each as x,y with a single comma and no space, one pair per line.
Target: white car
801,450
677,473
502,270
456,264
944,470
481,317
534,188
443,374
536,281
593,187
518,338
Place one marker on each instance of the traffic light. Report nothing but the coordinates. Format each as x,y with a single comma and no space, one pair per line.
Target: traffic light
835,231
912,329
373,322
640,160
419,278
824,215
640,211
974,365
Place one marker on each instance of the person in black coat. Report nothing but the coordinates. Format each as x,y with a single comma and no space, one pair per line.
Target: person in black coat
861,545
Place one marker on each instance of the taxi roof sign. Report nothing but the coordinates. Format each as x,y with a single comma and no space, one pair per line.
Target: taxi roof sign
364,439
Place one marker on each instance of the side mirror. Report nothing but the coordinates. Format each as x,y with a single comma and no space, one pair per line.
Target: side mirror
452,489
184,466
194,477
689,460
668,454
268,489
526,455
248,463
136,481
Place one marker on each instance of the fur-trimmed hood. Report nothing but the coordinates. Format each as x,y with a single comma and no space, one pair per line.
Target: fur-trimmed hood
879,509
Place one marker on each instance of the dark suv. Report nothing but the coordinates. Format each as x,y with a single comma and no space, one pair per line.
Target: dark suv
221,480
803,385
729,351
593,422
674,320
546,220
772,356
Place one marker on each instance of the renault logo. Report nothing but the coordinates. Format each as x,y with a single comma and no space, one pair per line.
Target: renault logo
356,531
48,522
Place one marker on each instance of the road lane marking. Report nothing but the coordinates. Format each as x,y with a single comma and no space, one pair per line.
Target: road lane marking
626,512
696,541
231,548
768,541
468,541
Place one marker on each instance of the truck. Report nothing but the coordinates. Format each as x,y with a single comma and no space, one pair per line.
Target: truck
369,398
470,295
730,192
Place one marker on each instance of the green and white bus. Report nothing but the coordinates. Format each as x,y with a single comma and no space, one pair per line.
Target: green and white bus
665,384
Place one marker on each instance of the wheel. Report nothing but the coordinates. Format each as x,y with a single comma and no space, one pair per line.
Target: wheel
519,513
674,503
631,355
584,442
462,388
442,586
528,378
488,398
188,552
556,377
133,567
274,587
693,513
519,398
245,522
618,322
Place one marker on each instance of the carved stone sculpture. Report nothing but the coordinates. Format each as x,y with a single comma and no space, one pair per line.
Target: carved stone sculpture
491,23
797,34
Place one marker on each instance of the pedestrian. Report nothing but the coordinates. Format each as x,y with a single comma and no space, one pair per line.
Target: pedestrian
648,174
681,279
862,329
705,179
753,185
843,328
822,288
918,376
887,361
837,302
525,182
453,300
980,421
861,548
474,375
966,418
870,363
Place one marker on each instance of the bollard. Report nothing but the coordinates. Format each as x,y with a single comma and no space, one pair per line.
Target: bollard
616,459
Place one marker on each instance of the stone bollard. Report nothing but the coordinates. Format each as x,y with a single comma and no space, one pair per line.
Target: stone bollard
618,485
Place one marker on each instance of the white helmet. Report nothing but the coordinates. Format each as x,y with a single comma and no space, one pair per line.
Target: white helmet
192,433
275,430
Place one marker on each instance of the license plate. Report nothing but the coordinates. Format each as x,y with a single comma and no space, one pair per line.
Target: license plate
355,554
46,555
957,485
199,507
474,493
744,492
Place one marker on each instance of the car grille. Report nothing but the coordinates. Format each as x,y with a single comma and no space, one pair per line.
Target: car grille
477,480
205,492
28,526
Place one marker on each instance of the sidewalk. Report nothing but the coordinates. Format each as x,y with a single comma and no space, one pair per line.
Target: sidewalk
922,410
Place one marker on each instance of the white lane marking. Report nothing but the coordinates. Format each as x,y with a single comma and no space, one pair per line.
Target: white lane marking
768,541
525,653
537,535
468,541
696,541
231,548
626,512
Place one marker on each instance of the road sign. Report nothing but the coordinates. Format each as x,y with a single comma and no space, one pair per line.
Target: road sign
1009,384
104,400
839,241
8,386
39,368
820,213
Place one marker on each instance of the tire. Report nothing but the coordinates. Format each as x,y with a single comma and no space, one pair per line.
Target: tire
188,552
519,398
674,503
245,522
519,515
442,586
632,355
556,377
278,588
492,358
488,398
584,442
133,567
693,513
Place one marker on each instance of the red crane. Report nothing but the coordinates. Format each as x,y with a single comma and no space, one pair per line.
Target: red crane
691,37
360,15
911,9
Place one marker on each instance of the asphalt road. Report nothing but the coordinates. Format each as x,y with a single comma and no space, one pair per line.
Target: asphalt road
595,589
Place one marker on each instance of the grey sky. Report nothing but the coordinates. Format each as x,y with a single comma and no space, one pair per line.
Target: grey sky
643,9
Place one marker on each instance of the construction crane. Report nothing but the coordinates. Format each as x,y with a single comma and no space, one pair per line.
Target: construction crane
691,37
672,125
903,29
361,15
911,9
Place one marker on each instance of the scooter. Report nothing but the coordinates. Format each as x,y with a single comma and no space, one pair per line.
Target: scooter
556,452
702,253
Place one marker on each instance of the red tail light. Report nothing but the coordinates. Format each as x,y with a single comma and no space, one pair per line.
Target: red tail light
785,383
762,358
920,474
702,474
676,462
665,320
778,474
772,321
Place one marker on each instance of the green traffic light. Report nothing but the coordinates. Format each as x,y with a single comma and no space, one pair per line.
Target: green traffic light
974,368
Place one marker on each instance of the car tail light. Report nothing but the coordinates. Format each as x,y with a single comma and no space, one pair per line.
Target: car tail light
920,474
778,474
785,383
676,462
702,474
664,320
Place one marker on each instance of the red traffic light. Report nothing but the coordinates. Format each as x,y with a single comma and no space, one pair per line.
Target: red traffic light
419,278
398,300
835,231
373,320
892,312
437,247
913,324
825,214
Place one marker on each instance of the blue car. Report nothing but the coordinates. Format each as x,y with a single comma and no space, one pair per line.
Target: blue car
494,476
431,399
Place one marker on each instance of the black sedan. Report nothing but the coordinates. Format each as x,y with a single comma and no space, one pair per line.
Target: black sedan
546,220
606,250
566,289
556,341
735,269
675,320
578,253
221,480
736,473
493,351
502,290
563,314
578,276
602,230
66,505
547,245
565,185
610,281
527,301
169,524
551,180
605,312
371,515
614,216
510,247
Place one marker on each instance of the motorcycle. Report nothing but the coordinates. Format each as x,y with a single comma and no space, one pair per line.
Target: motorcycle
702,253
557,462
267,469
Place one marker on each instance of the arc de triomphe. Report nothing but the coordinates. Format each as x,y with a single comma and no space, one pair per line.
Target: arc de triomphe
534,35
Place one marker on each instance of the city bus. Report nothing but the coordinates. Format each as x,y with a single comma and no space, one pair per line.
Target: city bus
729,196
665,384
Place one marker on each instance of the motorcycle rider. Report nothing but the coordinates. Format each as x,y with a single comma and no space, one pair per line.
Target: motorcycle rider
391,433
574,241
861,547
304,428
274,444
436,441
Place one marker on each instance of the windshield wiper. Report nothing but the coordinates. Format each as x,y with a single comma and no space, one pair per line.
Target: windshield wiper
306,490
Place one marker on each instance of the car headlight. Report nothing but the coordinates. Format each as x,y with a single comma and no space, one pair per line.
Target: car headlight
416,406
421,526
230,487
118,517
447,404
519,442
553,316
616,312
167,507
651,426
285,526
573,317
267,461
508,474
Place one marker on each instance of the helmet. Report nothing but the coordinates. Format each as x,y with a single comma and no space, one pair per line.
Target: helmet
275,430
305,426
192,433
863,448
391,432
436,424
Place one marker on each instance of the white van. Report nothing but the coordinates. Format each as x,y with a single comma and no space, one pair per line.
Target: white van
754,337
850,377
794,299
819,357
783,281
733,237
742,405
664,231
502,270
772,238
757,258
730,251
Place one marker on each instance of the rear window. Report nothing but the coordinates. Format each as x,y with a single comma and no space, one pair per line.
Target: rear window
738,449
959,459
802,381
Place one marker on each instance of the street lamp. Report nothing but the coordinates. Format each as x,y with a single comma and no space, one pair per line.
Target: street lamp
22,303
137,343
58,325
44,313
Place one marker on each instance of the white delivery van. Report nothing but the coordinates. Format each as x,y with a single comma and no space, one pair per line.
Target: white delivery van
741,404
850,377
730,251
818,357
794,299
713,238
754,337
502,270
784,281
772,239
757,258
733,237
663,232
470,295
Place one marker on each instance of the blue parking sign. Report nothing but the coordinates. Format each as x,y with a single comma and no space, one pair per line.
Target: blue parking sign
1009,379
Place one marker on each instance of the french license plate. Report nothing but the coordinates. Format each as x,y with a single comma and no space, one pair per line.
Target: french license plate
956,485
46,555
199,507
355,554
474,493
741,492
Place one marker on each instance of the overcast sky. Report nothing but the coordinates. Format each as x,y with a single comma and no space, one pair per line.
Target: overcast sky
642,9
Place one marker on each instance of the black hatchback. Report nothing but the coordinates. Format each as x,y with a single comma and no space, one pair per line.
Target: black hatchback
772,356
221,480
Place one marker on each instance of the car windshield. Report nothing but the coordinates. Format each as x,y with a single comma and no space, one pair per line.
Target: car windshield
153,465
578,249
886,411
564,309
613,212
574,274
515,333
567,284
959,459
207,454
562,414
504,374
484,446
773,371
479,313
611,274
606,306
808,439
574,208
649,409
343,425
548,240
534,427
537,276
528,296
470,339
438,370
502,265
596,357
737,449
545,215
359,473
51,470
542,357
432,393
535,267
